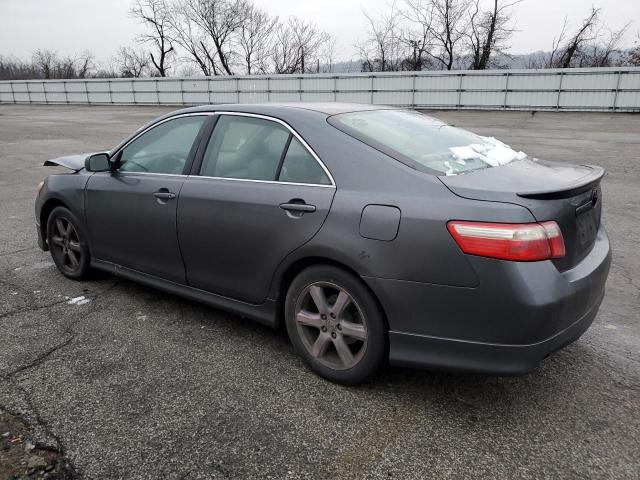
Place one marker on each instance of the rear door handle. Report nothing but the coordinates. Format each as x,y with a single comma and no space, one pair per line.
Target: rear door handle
164,195
298,207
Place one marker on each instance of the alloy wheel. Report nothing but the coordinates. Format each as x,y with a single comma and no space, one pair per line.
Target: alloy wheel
331,325
66,245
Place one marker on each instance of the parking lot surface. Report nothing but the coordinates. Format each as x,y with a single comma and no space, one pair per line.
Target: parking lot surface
135,383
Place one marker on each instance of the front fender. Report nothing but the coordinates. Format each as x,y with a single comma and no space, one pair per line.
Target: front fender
66,190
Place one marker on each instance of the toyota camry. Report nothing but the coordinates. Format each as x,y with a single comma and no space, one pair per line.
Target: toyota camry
373,234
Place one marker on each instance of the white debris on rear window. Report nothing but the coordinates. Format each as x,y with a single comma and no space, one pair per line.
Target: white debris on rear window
492,152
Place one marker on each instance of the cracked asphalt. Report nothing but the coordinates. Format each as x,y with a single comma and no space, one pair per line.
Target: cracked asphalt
139,384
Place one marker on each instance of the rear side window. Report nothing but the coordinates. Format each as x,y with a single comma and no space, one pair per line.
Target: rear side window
300,167
244,147
424,143
163,149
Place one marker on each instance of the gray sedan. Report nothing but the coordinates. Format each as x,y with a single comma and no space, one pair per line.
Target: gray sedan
373,234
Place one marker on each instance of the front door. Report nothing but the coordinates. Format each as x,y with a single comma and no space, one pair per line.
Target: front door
258,195
131,212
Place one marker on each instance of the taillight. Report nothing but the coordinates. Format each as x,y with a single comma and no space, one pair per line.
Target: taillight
524,242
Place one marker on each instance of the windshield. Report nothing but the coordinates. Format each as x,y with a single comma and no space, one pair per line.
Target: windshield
423,142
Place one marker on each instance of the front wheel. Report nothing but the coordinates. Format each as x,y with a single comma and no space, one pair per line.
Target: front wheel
336,325
69,249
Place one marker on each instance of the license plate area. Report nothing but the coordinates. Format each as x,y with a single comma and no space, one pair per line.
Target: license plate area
586,229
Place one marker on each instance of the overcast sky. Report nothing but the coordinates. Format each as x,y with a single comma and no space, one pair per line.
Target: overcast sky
71,26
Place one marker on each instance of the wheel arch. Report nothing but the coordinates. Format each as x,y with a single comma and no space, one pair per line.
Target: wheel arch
292,271
47,207
45,212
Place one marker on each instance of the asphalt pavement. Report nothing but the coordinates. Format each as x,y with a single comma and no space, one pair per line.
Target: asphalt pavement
138,384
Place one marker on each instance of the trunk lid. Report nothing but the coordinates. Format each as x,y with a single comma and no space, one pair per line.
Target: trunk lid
568,194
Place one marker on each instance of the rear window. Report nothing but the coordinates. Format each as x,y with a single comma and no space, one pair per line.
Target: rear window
424,143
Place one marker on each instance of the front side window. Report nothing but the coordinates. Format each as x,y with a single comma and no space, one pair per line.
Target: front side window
245,148
423,142
163,149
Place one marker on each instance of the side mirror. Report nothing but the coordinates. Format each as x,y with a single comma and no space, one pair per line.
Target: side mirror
98,162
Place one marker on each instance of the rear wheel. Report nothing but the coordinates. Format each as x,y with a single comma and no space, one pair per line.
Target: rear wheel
68,248
336,325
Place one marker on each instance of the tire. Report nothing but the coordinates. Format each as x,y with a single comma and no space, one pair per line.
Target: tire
68,244
350,317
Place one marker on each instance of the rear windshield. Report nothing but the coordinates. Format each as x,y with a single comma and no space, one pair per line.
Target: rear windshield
424,143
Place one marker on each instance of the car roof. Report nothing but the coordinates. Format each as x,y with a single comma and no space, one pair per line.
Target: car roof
327,108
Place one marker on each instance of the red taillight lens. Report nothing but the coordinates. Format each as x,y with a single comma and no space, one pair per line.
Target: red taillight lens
523,242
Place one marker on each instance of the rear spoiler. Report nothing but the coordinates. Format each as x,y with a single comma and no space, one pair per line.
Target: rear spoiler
571,189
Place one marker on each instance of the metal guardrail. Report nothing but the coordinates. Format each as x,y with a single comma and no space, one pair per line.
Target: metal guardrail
598,89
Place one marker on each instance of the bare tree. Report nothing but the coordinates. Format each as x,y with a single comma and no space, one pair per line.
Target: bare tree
131,63
296,46
600,53
449,18
578,39
327,54
488,31
46,61
419,34
155,15
555,46
220,20
633,56
255,38
381,51
85,63
187,33
12,68
591,45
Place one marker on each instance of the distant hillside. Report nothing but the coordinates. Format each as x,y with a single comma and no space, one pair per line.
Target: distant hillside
500,61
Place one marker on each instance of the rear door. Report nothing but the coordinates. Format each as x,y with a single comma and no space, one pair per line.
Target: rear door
257,194
131,212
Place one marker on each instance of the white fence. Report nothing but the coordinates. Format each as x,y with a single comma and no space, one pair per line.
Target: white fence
601,89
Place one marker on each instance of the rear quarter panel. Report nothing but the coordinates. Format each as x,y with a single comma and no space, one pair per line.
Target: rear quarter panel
423,250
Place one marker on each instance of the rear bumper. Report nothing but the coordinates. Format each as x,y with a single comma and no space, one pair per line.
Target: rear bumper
518,315
496,359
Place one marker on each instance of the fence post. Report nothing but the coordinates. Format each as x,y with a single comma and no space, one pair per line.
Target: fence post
459,105
110,91
157,92
13,93
615,96
559,91
335,88
413,91
506,91
372,79
66,94
300,88
44,91
28,91
237,90
86,91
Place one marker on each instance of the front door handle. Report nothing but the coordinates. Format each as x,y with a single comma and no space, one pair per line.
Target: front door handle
163,195
298,207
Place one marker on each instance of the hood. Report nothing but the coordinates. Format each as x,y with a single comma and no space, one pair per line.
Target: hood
72,162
